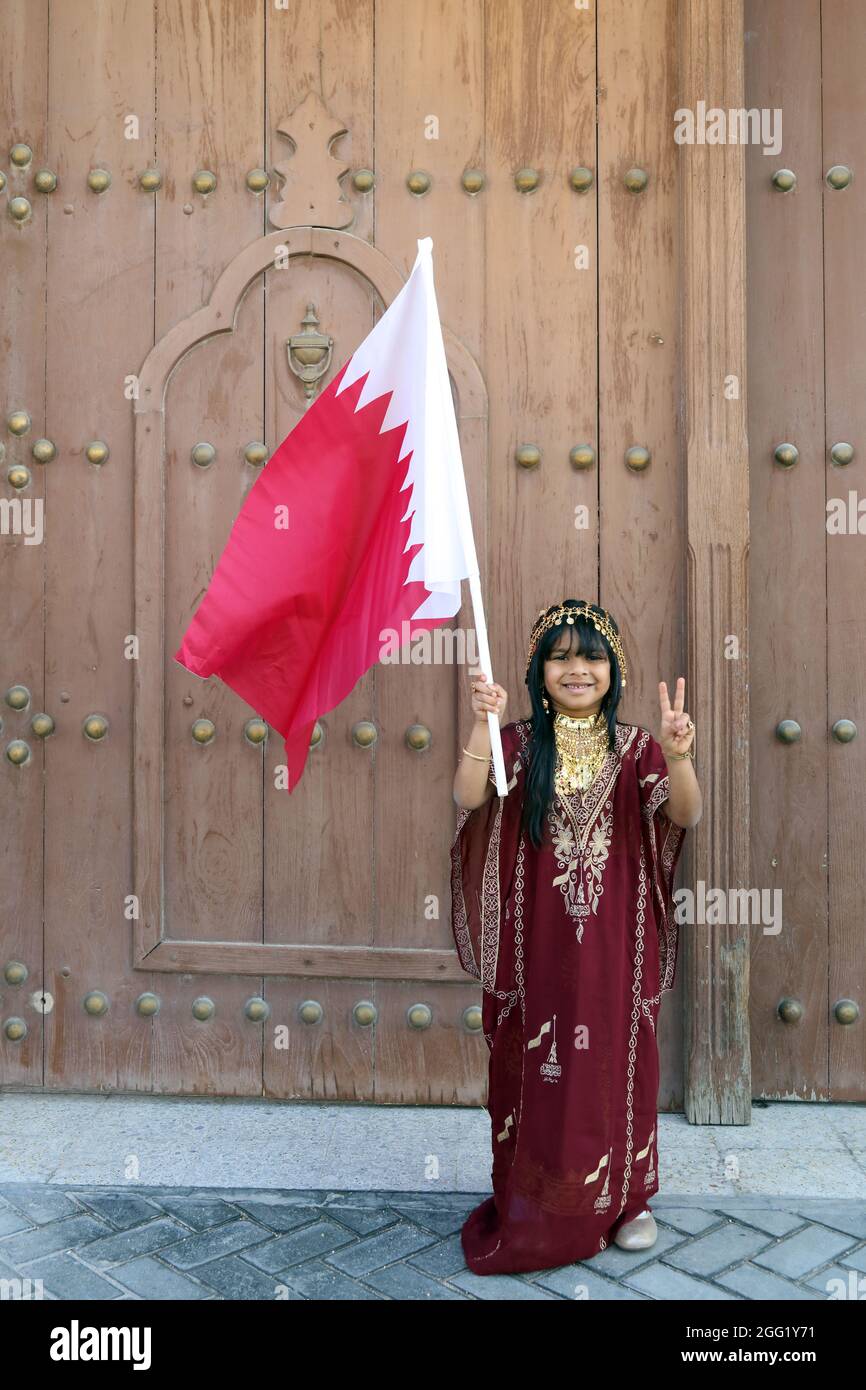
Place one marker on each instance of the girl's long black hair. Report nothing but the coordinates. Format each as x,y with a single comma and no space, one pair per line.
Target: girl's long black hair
542,749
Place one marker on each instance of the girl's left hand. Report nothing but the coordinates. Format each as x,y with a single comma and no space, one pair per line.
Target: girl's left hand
675,736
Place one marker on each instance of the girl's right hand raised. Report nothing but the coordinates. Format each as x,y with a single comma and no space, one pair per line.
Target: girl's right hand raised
487,698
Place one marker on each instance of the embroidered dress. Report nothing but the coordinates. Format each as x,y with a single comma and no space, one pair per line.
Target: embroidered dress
574,945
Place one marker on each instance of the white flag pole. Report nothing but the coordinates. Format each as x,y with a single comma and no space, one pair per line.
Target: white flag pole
484,658
444,564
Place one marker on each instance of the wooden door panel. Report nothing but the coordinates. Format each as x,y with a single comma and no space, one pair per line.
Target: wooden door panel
642,571
100,272
319,840
843,33
211,60
785,348
424,90
23,48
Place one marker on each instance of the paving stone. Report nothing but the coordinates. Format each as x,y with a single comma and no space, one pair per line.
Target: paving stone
280,1253
428,1198
121,1246
402,1281
615,1262
362,1220
856,1259
212,1244
40,1204
121,1209
67,1277
775,1223
582,1284
149,1278
200,1213
727,1245
662,1282
841,1216
12,1221
318,1281
756,1283
443,1259
852,1290
691,1220
374,1251
47,1239
443,1220
234,1278
283,1216
802,1253
495,1286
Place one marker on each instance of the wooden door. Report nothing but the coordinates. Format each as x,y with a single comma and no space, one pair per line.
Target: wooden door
807,391
202,931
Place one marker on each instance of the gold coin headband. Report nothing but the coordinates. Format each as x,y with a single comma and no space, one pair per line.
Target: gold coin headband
601,621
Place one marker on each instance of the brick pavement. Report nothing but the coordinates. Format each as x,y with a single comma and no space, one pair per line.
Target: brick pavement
86,1242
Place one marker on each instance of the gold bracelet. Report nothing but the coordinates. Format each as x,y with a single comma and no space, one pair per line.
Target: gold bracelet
477,755
690,754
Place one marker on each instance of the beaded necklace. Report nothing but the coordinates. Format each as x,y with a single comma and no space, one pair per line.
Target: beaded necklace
581,748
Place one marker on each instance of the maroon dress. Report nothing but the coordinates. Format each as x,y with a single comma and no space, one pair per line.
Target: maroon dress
574,944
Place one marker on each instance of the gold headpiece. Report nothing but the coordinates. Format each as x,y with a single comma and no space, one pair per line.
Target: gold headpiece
601,620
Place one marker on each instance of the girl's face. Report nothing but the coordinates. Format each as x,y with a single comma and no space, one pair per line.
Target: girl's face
575,684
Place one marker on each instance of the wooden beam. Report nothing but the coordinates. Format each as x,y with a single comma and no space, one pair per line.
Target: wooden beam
716,958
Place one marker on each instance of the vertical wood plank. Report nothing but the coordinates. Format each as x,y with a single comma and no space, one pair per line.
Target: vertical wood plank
540,349
641,578
843,33
429,83
717,1075
319,841
787,554
23,328
210,58
99,277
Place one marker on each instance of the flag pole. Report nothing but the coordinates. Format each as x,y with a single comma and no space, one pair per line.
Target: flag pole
484,658
444,443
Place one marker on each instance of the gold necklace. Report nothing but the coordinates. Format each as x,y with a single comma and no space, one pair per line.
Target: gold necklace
581,748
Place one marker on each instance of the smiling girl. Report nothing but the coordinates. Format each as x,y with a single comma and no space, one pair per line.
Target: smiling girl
562,908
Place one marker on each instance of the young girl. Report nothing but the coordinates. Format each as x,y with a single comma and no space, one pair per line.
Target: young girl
562,908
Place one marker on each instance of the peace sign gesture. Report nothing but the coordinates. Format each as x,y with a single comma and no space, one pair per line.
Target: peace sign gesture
677,730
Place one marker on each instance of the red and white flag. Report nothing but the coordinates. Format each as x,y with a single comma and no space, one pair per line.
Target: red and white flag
358,523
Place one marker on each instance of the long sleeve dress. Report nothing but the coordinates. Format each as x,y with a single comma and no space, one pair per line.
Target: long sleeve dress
574,945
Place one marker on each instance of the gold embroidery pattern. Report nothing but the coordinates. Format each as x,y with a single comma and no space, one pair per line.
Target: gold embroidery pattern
584,871
519,992
672,839
650,1175
550,1069
647,1007
489,908
659,793
582,831
563,1193
491,904
602,1201
509,1121
513,995
669,943
635,1019
667,936
462,938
